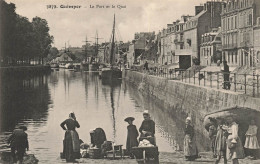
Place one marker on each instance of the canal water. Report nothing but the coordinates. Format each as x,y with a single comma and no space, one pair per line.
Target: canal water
43,102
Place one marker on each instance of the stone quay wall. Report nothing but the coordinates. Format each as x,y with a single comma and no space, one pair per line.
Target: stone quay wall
181,99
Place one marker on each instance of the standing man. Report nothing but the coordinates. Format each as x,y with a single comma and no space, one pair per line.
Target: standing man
19,143
226,75
146,66
147,128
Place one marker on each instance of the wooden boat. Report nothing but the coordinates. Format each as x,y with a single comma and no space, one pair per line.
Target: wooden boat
69,66
62,65
54,65
84,66
112,72
93,66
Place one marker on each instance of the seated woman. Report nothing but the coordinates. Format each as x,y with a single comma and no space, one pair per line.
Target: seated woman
147,128
98,136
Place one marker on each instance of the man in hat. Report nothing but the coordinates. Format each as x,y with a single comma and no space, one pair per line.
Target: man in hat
19,143
147,128
132,135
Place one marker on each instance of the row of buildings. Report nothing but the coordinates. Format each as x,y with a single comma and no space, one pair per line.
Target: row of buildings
220,30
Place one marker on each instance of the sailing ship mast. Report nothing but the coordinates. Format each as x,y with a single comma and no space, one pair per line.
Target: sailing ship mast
86,46
96,44
112,72
112,46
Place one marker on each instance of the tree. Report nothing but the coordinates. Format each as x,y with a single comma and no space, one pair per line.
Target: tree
22,40
42,37
23,43
53,53
7,28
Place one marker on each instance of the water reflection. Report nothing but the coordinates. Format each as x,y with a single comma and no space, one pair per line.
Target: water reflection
23,98
43,102
169,122
113,85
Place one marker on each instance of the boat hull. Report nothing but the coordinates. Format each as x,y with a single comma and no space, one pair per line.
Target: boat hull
93,67
54,66
84,67
109,74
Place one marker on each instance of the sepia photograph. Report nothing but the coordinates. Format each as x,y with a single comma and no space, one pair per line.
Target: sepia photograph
129,81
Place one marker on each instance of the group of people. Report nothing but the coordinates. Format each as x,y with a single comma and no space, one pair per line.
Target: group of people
226,143
71,143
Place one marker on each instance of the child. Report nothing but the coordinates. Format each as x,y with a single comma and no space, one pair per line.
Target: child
132,135
220,141
212,134
251,140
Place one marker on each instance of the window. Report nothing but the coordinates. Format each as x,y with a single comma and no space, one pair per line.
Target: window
250,20
235,22
223,24
232,23
181,46
235,57
235,39
232,57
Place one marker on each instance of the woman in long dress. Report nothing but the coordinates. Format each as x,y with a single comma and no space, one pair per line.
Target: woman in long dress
71,143
190,148
132,135
235,149
251,142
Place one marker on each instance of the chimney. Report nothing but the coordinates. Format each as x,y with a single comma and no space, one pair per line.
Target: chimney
198,9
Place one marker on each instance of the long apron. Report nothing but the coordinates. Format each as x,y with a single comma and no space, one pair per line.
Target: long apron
190,148
71,145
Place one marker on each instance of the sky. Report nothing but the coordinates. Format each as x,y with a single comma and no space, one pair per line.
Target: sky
74,25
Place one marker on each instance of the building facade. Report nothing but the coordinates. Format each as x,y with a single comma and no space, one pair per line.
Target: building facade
257,44
188,34
167,53
238,19
210,48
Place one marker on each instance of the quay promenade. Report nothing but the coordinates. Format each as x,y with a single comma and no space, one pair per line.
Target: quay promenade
180,99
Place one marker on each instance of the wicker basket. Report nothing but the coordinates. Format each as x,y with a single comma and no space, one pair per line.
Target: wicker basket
95,153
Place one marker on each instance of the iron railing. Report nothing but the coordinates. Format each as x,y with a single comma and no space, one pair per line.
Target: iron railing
241,83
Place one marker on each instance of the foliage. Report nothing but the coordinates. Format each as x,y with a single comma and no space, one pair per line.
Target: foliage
21,40
53,53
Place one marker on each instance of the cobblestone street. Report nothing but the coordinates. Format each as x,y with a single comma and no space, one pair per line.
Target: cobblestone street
169,158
